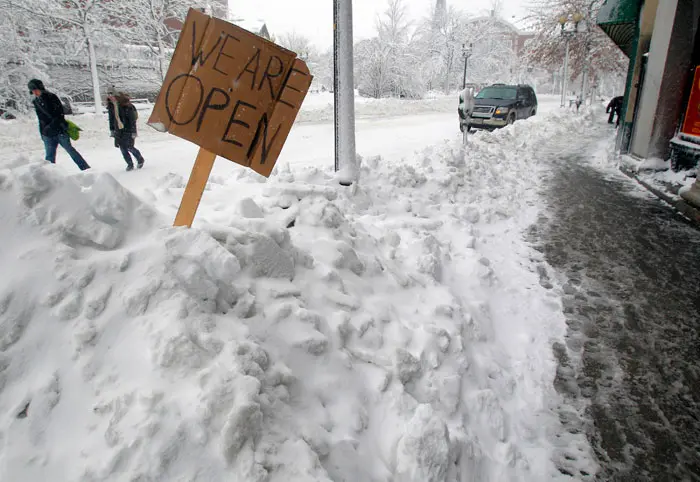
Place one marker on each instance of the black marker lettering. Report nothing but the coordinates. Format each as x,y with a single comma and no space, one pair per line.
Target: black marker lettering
269,74
171,116
261,136
209,104
299,72
199,57
233,121
286,86
256,59
222,53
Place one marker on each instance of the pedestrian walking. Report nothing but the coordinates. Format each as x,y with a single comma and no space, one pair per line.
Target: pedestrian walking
122,125
615,108
52,124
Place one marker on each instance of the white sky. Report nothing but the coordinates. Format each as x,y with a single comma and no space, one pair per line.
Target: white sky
314,18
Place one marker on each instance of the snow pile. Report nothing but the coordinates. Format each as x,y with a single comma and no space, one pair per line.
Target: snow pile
658,174
391,331
653,164
671,182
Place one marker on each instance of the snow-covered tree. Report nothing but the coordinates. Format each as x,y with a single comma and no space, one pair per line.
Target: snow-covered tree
372,65
386,64
493,56
298,43
71,30
592,53
323,71
19,57
451,39
146,23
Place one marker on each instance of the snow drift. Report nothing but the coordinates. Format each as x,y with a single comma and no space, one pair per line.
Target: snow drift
394,331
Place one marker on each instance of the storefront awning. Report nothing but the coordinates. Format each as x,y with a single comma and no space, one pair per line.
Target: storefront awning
619,20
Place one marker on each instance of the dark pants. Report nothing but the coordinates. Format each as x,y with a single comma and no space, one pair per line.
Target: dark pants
612,116
126,145
614,113
51,145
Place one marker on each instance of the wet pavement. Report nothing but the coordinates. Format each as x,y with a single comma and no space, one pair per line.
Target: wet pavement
630,271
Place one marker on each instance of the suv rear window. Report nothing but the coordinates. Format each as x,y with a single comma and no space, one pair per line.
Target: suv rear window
504,93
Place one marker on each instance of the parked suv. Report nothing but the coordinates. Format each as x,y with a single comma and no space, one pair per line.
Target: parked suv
500,105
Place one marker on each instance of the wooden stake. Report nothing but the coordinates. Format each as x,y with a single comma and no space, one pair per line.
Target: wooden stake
195,188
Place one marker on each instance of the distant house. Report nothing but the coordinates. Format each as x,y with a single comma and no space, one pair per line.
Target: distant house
499,52
492,26
258,27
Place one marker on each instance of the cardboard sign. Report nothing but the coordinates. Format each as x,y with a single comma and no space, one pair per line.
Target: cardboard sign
231,92
691,124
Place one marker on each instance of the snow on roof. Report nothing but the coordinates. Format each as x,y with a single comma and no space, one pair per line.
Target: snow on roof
500,21
255,26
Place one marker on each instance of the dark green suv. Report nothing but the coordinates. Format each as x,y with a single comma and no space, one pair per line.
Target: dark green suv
500,105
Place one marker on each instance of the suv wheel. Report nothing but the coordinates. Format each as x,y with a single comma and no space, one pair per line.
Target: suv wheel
511,119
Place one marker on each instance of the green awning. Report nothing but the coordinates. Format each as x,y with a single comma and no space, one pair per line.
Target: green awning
619,20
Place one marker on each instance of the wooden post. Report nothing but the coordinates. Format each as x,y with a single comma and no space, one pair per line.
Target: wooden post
195,188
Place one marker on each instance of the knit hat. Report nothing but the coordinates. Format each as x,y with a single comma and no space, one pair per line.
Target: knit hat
36,84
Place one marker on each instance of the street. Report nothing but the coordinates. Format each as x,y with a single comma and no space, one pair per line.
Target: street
628,267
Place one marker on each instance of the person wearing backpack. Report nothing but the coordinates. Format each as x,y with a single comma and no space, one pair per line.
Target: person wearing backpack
52,124
122,125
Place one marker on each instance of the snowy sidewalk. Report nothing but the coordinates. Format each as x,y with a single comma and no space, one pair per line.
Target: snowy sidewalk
626,266
394,331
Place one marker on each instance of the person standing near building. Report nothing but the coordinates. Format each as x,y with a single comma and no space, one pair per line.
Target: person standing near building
122,125
52,124
615,108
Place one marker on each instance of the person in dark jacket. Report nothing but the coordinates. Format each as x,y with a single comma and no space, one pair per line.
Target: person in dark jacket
52,124
615,108
122,125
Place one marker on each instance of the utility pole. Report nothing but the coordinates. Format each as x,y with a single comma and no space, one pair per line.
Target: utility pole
344,92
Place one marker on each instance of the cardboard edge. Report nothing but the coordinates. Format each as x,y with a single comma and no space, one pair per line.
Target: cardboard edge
257,166
158,123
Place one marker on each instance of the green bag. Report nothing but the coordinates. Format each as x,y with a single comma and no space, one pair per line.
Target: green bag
73,130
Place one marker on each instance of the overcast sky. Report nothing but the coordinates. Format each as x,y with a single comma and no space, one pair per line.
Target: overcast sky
314,18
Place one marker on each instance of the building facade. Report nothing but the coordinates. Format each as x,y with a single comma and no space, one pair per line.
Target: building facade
660,111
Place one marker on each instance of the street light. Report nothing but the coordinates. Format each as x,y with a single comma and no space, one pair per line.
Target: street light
585,27
466,53
569,28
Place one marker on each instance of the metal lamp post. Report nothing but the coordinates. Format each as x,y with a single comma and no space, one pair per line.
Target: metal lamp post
585,27
563,20
569,28
466,53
